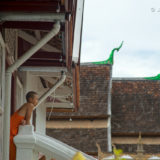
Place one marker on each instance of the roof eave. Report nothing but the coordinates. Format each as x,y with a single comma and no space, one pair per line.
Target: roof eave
78,31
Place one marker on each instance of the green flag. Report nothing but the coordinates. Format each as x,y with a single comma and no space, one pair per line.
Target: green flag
153,78
111,57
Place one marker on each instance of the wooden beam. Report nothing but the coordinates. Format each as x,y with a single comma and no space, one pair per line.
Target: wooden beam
66,44
30,6
58,105
53,81
38,60
37,34
76,87
31,39
54,117
50,80
134,140
61,91
66,124
45,74
23,46
59,110
43,82
124,134
70,44
42,26
63,2
41,62
47,56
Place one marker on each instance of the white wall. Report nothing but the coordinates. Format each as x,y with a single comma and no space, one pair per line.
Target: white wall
19,93
41,119
40,112
32,83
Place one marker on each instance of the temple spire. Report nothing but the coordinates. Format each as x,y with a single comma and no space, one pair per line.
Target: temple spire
110,60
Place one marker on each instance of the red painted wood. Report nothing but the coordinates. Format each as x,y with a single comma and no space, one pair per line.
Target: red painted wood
47,56
39,55
76,87
46,63
67,44
30,6
70,44
30,25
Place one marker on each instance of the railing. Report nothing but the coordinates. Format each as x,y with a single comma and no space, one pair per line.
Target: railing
29,144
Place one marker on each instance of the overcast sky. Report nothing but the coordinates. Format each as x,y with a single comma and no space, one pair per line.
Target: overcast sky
136,22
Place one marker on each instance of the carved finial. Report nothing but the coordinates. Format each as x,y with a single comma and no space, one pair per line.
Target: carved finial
140,138
140,149
101,155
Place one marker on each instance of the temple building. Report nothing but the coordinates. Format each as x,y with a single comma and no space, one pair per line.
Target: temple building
112,111
82,109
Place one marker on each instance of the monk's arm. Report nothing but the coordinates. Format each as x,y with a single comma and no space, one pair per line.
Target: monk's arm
28,115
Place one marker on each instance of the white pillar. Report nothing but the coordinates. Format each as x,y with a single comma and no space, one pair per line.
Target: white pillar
6,120
25,142
41,119
2,90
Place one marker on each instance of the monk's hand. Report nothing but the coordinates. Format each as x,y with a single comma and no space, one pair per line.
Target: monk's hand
23,122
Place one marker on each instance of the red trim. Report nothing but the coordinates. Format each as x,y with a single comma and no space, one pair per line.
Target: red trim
30,6
40,58
42,55
59,110
68,5
69,43
30,25
76,87
43,63
66,43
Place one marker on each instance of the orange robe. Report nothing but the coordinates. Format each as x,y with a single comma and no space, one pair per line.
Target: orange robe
15,121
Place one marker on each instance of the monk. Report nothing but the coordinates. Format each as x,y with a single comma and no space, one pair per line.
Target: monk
21,117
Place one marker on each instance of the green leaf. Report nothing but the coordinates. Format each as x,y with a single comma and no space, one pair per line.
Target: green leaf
117,152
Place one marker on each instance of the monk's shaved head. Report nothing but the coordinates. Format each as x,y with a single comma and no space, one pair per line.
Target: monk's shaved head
30,94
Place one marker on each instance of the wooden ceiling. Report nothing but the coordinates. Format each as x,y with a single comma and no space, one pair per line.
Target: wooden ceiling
58,51
61,44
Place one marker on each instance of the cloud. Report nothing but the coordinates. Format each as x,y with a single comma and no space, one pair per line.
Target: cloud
132,65
108,22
